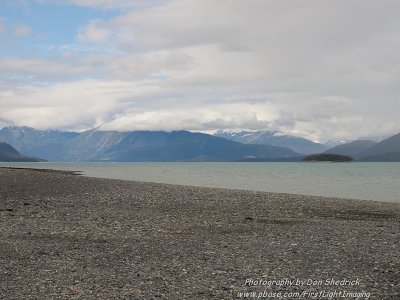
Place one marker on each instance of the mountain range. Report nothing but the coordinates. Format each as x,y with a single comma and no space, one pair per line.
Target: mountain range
96,145
273,138
387,150
365,150
379,149
352,148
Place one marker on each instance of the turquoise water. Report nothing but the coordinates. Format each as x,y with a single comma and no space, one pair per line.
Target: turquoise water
370,181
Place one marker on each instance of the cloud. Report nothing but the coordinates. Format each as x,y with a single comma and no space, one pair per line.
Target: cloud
310,68
34,68
62,105
120,105
161,64
93,33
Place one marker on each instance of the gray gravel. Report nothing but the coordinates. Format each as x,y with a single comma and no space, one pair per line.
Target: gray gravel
70,237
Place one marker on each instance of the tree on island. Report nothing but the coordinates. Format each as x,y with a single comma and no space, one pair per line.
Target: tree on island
328,157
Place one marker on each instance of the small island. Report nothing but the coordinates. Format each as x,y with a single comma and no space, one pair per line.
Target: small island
328,157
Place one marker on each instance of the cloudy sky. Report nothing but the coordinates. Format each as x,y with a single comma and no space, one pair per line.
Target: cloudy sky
321,69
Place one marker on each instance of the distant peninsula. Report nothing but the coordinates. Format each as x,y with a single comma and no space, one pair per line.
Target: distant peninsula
10,154
328,157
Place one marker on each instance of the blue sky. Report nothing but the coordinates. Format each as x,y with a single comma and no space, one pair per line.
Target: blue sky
318,69
51,25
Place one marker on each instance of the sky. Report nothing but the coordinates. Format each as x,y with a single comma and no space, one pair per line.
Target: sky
324,70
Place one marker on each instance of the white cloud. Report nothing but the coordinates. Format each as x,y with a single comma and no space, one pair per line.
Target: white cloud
94,34
64,105
324,69
34,67
160,63
122,105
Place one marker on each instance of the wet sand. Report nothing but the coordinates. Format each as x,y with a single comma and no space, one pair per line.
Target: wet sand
65,236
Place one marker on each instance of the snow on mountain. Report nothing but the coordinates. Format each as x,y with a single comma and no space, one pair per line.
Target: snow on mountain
273,138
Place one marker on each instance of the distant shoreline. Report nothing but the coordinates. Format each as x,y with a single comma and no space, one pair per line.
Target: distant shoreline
44,170
76,236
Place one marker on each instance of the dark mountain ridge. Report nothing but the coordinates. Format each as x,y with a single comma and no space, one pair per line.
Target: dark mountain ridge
273,138
10,154
47,144
97,145
189,146
352,148
387,150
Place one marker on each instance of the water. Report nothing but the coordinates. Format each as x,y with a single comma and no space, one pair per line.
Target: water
370,181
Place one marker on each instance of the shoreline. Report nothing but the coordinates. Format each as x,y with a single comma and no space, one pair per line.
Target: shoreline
45,170
81,173
75,236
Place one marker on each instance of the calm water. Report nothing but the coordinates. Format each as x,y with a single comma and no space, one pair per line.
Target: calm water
373,181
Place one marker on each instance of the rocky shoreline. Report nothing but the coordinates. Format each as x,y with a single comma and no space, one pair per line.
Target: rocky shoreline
74,237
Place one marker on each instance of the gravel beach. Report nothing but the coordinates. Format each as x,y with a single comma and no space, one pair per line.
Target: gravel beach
65,236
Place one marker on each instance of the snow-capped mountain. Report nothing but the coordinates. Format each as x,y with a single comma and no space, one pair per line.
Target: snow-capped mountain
97,145
333,143
273,138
